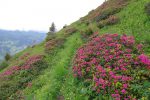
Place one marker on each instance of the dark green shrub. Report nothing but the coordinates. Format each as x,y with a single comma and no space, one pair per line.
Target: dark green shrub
87,23
65,26
7,87
147,8
87,33
7,56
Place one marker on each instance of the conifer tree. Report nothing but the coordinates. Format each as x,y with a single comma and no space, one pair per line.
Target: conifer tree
52,29
7,56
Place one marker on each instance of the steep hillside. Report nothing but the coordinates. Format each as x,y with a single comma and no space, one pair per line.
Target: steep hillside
15,41
102,56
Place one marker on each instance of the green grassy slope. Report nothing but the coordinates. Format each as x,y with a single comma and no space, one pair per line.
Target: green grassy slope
38,49
133,21
52,78
56,82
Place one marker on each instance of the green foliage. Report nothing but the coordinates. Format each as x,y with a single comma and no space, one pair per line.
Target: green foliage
109,21
101,24
70,30
86,33
72,89
7,88
48,85
147,8
3,65
135,23
87,23
65,26
7,56
50,36
106,13
10,85
112,20
53,43
56,80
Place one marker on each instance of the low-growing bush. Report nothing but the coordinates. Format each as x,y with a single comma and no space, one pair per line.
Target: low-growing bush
110,21
86,33
87,23
70,30
106,13
147,8
101,24
110,7
51,44
113,66
16,78
65,26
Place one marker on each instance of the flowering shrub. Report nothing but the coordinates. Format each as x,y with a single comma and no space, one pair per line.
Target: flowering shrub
110,7
26,66
110,64
16,78
51,44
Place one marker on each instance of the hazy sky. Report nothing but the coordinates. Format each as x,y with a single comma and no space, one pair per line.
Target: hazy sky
39,14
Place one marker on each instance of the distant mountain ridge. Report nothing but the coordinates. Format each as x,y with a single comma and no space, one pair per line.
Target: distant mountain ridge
15,41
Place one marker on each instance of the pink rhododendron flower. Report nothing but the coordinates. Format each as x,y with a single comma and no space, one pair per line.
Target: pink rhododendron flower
123,91
105,62
125,86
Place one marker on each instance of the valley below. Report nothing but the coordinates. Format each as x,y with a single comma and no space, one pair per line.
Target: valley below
14,41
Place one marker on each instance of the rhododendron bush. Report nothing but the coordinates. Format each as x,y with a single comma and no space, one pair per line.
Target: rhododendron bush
26,66
16,78
110,64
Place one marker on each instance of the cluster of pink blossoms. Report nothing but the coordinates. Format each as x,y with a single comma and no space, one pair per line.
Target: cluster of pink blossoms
106,61
26,66
144,60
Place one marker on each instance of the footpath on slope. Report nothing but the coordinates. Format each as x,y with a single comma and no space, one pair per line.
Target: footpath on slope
52,79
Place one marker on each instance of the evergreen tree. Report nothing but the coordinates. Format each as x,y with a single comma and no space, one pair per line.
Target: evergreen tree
7,56
52,29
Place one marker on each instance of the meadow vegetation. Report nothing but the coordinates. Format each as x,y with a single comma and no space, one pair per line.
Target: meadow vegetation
102,56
